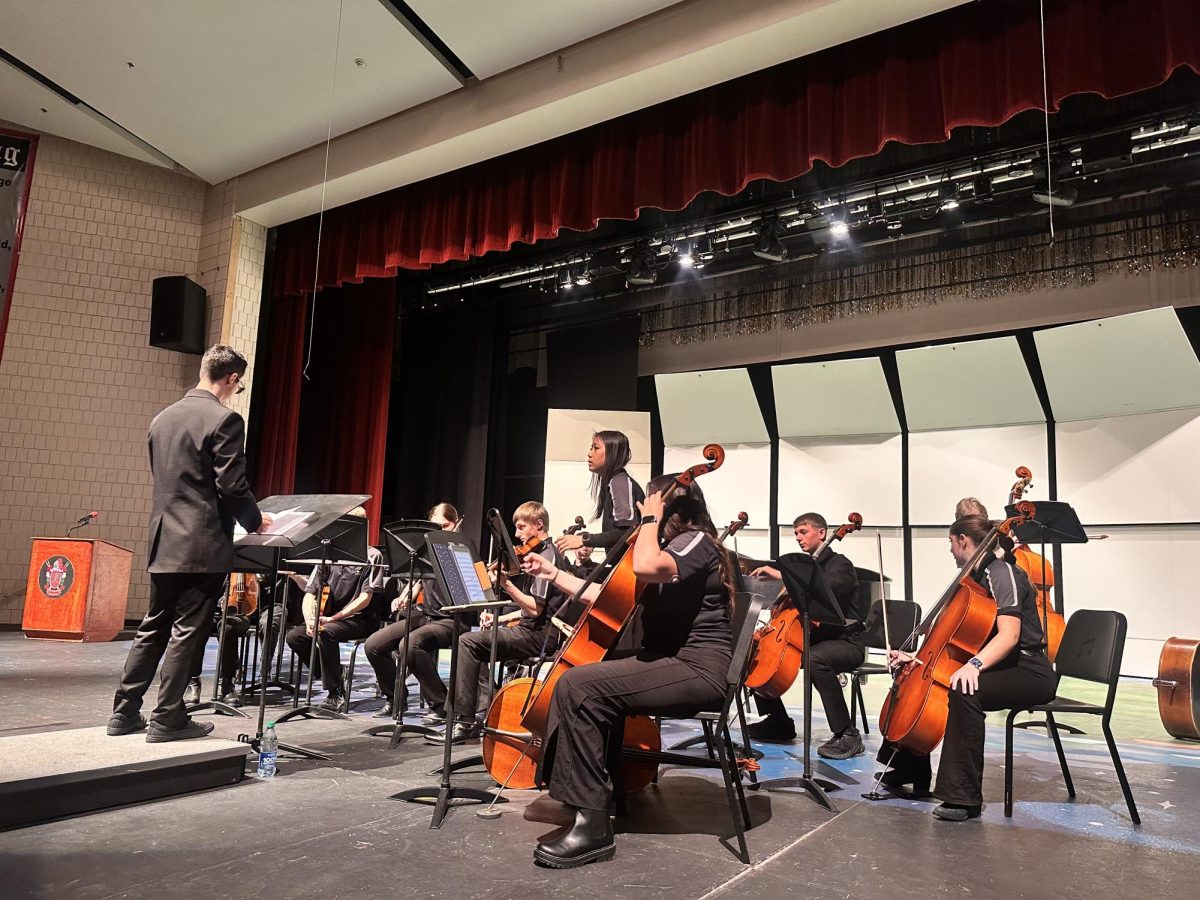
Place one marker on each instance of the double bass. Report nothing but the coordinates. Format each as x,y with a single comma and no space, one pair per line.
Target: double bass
519,714
916,708
778,650
1040,572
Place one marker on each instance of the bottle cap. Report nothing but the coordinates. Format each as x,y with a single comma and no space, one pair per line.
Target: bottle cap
270,724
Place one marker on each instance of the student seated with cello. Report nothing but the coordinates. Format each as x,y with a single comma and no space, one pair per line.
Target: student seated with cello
834,650
1010,671
432,630
682,663
531,634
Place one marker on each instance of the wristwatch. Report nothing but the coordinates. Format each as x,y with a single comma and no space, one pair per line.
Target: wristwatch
976,662
648,520
585,537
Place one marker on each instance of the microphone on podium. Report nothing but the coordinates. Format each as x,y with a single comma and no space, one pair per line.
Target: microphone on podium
83,520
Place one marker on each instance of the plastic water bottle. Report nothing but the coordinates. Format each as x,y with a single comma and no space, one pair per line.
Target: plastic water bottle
268,749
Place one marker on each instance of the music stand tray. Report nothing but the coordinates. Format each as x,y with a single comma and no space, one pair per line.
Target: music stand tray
811,596
307,514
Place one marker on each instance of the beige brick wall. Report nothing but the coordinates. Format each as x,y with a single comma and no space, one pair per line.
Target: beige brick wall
78,382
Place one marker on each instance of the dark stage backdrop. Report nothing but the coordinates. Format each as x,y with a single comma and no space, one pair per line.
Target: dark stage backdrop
343,405
976,64
445,393
594,366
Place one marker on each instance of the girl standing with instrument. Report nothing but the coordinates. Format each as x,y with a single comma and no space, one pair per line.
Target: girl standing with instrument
681,665
615,493
1009,671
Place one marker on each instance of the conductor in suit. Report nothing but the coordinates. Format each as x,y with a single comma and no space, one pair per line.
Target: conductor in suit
197,459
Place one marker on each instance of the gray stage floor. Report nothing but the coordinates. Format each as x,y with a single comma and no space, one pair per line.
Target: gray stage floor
329,829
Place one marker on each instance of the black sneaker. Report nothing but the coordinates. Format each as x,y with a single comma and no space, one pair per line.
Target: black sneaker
465,731
772,731
122,724
953,812
384,712
157,734
191,694
842,746
334,702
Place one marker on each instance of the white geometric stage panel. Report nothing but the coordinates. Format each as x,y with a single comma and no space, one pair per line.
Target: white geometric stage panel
1119,366
967,385
742,484
945,466
1147,573
839,475
719,406
840,397
1131,469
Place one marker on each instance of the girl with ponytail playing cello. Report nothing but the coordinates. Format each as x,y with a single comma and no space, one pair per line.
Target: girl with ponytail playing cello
1010,671
681,665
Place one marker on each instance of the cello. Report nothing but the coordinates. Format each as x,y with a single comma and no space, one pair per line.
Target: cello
916,708
519,714
1178,685
779,646
1040,572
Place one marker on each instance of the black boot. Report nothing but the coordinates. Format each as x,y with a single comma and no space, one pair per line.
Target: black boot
589,840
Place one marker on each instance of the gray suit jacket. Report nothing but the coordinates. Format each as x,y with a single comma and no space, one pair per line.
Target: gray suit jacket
197,457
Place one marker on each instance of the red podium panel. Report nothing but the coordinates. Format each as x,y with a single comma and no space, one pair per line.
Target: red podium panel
77,589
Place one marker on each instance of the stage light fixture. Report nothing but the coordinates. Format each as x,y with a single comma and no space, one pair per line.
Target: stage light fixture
767,245
702,253
641,266
838,226
565,281
581,275
684,254
875,210
982,188
947,196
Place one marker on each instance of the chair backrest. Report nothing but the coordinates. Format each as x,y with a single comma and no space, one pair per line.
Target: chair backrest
746,608
1092,646
903,616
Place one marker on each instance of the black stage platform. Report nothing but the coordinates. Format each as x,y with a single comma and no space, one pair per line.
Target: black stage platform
328,830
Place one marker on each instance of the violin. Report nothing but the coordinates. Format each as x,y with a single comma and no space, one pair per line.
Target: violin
518,716
243,593
1040,572
917,705
778,652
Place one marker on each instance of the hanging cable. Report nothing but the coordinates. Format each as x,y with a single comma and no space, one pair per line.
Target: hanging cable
337,46
1046,116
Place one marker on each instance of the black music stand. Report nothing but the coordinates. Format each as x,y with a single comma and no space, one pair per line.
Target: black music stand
216,704
341,543
811,596
456,566
404,541
1054,523
265,552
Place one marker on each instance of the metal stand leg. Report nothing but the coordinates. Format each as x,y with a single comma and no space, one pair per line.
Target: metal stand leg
215,704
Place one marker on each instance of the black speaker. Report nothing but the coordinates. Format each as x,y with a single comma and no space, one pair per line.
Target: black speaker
177,315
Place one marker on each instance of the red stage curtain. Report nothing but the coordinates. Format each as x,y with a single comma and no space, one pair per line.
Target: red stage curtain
283,357
977,64
343,410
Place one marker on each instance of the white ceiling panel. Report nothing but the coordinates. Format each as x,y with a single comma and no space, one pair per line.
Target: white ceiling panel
1119,366
30,104
843,397
501,34
702,407
967,385
225,86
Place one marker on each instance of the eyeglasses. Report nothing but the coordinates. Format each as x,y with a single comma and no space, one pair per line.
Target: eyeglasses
241,384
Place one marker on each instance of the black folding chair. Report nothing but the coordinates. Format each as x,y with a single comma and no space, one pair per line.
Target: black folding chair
715,723
1091,649
903,616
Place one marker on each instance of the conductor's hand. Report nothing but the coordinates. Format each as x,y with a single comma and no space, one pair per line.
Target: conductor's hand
538,566
267,521
653,505
766,572
567,542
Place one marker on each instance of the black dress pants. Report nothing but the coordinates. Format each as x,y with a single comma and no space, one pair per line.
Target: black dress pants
329,646
475,653
828,660
235,627
383,643
179,620
589,700
1018,682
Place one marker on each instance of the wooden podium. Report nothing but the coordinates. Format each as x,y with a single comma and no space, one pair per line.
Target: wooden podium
77,589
